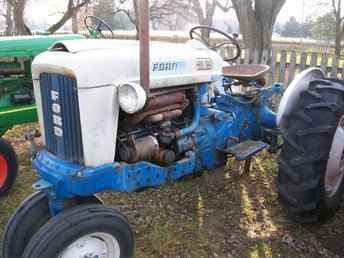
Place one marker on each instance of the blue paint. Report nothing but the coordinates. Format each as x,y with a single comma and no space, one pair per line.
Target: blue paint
228,120
197,114
267,117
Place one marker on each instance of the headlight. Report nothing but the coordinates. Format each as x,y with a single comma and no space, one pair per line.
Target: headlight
132,97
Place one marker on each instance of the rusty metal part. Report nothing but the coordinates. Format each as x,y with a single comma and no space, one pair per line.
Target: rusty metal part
165,116
139,149
144,44
165,100
165,156
138,117
246,72
169,90
178,133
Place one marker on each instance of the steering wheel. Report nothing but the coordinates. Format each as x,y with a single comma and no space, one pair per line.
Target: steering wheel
199,33
96,25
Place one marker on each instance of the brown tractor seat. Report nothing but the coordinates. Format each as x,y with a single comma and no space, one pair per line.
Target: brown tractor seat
246,72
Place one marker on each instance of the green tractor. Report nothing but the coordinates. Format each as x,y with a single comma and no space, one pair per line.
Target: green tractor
17,104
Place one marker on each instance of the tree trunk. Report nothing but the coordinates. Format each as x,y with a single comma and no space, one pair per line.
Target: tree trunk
71,12
256,23
137,18
204,17
338,46
339,28
75,24
18,16
9,19
67,15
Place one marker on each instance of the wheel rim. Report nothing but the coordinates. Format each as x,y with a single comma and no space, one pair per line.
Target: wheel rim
335,165
3,170
95,245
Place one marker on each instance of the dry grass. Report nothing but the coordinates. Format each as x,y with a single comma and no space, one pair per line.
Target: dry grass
217,214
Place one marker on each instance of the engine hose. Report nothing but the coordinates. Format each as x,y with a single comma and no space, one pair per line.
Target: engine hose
196,117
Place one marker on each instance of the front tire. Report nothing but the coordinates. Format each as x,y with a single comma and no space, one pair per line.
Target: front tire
25,221
83,231
310,135
28,218
8,167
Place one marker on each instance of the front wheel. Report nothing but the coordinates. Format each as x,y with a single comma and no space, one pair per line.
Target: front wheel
8,167
83,231
28,218
311,164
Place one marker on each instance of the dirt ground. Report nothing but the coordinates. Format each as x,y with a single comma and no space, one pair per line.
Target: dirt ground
216,214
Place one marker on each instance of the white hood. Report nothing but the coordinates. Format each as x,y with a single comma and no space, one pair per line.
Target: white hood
99,66
102,62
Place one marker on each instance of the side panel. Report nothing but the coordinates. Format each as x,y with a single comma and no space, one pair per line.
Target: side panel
99,118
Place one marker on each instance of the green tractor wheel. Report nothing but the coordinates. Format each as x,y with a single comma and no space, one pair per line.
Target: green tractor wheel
8,167
311,165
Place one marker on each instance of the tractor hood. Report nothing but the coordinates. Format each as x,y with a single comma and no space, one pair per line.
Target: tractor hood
99,63
29,46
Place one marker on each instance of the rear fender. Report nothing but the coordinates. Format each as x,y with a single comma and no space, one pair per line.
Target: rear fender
292,94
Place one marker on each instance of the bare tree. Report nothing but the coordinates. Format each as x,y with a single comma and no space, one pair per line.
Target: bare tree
205,14
18,7
9,19
204,11
7,12
256,22
75,26
339,23
73,7
161,9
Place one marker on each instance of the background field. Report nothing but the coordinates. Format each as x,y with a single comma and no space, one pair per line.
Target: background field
217,214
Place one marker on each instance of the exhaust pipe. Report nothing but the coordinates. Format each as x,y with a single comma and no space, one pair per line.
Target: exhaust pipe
144,16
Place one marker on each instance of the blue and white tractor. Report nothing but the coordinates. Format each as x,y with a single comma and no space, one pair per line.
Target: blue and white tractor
103,130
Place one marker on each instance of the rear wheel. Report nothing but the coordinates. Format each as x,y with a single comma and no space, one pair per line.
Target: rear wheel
8,166
311,166
28,218
91,231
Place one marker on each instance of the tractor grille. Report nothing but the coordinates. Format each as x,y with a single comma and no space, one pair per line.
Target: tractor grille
61,117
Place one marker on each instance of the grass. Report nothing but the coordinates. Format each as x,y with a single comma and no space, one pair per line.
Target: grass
221,213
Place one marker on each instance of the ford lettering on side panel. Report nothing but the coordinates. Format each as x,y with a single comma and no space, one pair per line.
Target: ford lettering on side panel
57,119
62,117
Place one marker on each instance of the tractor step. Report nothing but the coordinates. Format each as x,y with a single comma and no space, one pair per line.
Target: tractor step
245,150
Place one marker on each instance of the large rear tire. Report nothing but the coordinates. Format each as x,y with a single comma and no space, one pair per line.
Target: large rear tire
8,167
308,183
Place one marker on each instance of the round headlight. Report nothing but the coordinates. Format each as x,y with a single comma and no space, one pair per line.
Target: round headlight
132,97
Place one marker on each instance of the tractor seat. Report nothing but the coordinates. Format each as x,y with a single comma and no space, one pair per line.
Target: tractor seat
246,72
